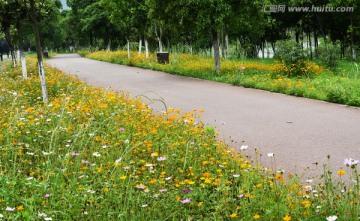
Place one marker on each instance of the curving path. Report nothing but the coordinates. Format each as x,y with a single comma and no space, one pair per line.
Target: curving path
298,131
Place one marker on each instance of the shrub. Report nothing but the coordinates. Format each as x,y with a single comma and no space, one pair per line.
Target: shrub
329,54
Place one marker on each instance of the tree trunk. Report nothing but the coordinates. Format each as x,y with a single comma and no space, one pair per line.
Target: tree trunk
216,50
352,48
109,45
310,45
146,48
226,46
38,50
237,47
21,50
128,48
297,37
140,45
23,64
273,46
316,44
11,46
158,36
160,45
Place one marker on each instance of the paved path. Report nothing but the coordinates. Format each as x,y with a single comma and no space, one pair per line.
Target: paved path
299,131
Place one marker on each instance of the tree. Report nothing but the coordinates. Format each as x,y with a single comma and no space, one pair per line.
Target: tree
8,13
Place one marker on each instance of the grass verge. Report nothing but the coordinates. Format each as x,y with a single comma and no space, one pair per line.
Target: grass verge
95,154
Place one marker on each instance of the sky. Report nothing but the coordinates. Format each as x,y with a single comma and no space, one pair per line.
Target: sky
63,2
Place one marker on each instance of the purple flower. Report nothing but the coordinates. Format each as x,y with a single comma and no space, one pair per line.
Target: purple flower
161,159
46,195
121,129
185,201
162,190
140,187
350,162
186,191
74,154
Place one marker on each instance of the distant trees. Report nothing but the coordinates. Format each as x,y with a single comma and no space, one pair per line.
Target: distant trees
240,28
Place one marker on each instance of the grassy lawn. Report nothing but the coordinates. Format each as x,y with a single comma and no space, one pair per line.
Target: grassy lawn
95,154
342,87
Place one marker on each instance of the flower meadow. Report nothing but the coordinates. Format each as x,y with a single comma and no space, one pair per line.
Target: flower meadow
314,82
97,154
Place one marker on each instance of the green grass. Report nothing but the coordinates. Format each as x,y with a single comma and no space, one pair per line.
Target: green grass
93,154
341,87
349,69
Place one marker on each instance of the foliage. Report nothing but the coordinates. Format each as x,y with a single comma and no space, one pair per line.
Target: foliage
96,154
329,54
292,56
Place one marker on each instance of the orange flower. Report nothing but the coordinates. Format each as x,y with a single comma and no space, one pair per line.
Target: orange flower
206,175
287,218
20,208
278,176
341,172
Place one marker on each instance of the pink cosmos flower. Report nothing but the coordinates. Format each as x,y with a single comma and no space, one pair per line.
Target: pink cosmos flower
161,159
47,195
185,201
350,162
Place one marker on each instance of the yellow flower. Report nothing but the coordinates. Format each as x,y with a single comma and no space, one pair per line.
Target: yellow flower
20,208
256,216
106,189
287,218
234,215
200,204
278,176
341,172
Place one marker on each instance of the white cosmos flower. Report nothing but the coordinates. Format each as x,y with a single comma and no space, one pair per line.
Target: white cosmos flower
270,154
10,209
331,218
46,153
96,154
244,147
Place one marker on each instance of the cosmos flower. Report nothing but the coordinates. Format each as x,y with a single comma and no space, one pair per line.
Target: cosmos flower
185,201
350,162
161,158
331,218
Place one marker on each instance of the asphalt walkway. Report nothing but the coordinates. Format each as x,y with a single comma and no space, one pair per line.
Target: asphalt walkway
298,131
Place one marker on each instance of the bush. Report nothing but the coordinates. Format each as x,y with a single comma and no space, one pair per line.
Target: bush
292,57
329,54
